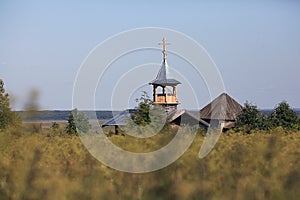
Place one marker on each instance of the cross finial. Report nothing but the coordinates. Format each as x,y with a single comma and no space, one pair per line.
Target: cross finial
164,44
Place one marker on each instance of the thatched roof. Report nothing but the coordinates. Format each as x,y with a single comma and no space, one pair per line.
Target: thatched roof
223,107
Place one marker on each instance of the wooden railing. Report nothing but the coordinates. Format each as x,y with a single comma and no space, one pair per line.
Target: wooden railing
162,98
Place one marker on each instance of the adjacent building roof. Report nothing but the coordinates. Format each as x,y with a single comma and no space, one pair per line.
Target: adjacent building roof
180,116
223,107
120,119
161,78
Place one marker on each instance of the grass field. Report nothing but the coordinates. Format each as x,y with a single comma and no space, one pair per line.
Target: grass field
46,165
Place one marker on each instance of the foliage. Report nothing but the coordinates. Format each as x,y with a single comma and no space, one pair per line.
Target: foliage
251,118
141,117
71,127
7,117
77,122
284,116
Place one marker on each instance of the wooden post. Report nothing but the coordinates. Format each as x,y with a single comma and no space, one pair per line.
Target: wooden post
154,93
116,129
166,94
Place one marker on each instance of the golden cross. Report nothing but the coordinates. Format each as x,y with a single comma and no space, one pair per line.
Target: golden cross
164,43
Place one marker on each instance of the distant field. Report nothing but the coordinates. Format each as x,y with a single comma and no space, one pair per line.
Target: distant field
45,125
49,166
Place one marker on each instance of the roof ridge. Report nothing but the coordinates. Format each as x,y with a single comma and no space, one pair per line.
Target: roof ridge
223,106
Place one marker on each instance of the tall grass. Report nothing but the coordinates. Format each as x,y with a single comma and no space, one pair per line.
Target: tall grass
46,165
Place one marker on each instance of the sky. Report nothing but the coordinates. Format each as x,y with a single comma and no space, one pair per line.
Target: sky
254,44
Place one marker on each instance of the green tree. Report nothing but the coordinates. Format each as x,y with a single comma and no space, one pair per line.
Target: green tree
71,127
7,117
77,122
283,115
251,118
141,117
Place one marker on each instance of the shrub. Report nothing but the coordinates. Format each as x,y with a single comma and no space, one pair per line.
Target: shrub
55,125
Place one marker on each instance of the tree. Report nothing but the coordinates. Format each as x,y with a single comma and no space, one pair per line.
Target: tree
141,117
71,127
283,115
7,117
77,122
251,118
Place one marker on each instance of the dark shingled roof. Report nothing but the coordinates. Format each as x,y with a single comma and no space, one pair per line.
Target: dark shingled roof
223,107
120,119
186,118
161,78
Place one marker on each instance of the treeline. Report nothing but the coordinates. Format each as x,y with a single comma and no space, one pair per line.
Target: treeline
252,119
61,114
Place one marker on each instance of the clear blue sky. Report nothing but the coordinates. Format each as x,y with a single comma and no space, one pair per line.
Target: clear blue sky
255,44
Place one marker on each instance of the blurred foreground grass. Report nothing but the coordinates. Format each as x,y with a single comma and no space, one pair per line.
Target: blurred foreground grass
49,166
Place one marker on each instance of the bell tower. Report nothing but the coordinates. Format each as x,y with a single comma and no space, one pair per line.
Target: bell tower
165,89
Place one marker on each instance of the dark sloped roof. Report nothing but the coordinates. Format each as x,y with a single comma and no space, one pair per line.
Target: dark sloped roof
223,107
120,119
186,118
165,82
162,74
161,78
